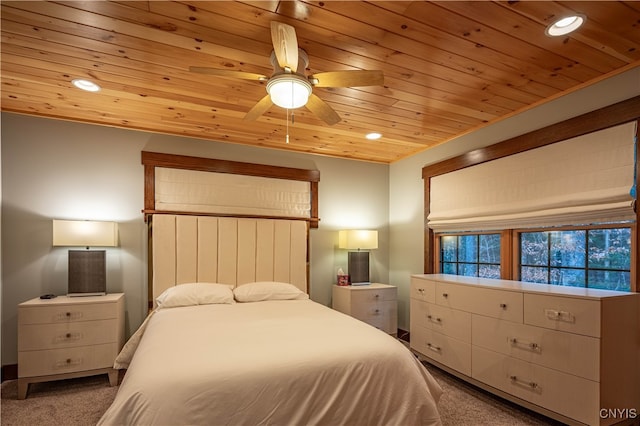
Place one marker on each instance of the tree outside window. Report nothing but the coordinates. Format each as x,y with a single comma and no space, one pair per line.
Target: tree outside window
474,255
594,258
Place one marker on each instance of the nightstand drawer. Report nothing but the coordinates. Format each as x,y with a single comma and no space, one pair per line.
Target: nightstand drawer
369,311
371,296
384,320
69,360
376,304
66,313
52,336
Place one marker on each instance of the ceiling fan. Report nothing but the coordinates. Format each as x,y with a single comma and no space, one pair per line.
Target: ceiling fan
288,86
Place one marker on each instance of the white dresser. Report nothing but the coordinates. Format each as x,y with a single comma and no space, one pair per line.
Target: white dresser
68,337
569,353
376,304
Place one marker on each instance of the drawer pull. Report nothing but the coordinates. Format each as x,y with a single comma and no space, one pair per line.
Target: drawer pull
69,362
376,296
529,383
530,345
436,319
503,306
63,316
69,336
445,295
434,347
559,315
377,311
421,290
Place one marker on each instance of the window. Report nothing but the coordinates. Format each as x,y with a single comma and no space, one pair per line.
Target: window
588,256
468,192
475,255
594,258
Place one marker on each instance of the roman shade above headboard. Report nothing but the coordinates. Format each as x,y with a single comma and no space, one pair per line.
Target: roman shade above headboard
206,186
210,192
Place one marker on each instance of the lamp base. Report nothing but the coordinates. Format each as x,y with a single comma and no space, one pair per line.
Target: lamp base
87,273
358,264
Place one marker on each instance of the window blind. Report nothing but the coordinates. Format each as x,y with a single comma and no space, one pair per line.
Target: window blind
225,193
582,180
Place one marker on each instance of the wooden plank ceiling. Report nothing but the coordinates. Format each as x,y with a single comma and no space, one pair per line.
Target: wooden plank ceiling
449,67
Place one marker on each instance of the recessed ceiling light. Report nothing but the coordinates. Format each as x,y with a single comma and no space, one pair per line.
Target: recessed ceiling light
373,136
87,85
565,25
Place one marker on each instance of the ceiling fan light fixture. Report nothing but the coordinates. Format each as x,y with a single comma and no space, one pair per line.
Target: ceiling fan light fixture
289,91
86,85
565,25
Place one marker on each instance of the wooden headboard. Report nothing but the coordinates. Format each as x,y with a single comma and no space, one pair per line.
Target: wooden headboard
227,250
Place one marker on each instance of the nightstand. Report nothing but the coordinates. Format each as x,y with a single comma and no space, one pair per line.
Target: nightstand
376,304
67,337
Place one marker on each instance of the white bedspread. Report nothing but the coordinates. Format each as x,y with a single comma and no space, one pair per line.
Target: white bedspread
292,362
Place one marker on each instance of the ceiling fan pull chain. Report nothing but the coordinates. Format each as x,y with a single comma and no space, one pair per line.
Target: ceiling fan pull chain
287,120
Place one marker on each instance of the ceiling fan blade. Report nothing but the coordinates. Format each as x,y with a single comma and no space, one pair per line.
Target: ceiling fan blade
229,73
258,109
353,78
285,45
322,110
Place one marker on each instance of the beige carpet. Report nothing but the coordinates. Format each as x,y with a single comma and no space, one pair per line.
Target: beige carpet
82,402
72,402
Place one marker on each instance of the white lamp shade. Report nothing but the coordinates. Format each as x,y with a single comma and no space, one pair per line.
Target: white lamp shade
86,233
358,239
289,91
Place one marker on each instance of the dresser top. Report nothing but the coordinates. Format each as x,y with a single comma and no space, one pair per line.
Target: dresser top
549,289
66,300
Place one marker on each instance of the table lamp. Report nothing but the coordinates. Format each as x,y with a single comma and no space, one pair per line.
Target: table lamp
358,261
87,268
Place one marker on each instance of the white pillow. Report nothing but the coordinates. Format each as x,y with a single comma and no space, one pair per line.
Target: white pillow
195,294
268,290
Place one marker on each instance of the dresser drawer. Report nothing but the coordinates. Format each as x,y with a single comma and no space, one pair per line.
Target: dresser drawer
68,360
503,304
571,353
51,336
562,393
66,313
574,315
451,322
423,290
448,351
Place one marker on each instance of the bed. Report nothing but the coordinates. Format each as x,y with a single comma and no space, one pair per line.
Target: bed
280,362
234,339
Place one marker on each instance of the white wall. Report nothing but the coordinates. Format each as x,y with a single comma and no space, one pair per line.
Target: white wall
406,207
57,169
